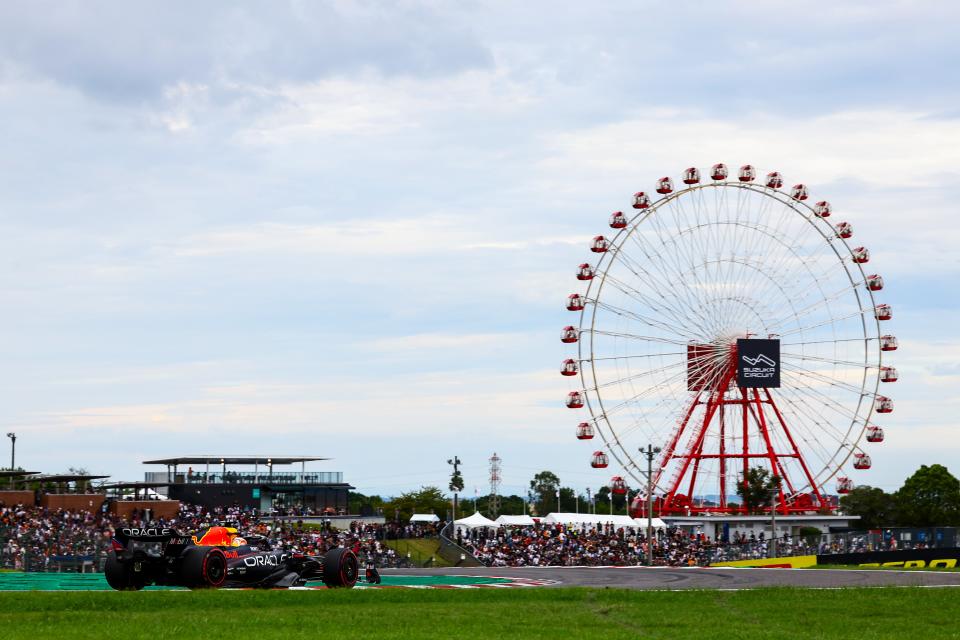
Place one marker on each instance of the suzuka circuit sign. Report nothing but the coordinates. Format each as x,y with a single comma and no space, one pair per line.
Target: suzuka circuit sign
758,363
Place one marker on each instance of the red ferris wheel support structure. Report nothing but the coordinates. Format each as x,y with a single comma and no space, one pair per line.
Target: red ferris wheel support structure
712,375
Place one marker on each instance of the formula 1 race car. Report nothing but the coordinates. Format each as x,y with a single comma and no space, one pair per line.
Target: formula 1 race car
219,558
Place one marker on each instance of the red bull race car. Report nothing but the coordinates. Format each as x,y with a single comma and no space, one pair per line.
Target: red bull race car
219,558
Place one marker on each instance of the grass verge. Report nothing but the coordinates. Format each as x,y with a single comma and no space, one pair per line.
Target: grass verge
420,550
513,613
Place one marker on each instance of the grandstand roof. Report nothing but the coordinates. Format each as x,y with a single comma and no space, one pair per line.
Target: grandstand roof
134,485
253,460
6,473
64,477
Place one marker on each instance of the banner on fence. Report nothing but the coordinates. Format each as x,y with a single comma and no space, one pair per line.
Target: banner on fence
907,558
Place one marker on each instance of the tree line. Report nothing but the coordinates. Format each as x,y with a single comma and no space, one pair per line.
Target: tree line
930,497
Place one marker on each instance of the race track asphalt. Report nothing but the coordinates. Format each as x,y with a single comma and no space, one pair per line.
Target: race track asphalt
702,578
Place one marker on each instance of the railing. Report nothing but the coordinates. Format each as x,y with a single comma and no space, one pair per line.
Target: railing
248,477
454,553
890,539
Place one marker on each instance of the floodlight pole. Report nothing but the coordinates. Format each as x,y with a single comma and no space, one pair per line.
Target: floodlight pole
13,449
650,452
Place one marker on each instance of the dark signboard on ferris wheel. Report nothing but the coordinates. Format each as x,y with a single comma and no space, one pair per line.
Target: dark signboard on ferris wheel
758,363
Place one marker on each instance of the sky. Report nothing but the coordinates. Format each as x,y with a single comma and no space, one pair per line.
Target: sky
346,229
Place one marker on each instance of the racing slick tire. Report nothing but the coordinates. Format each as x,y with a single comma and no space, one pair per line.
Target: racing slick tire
203,568
120,575
340,568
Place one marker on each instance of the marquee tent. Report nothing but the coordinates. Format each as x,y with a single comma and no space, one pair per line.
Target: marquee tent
424,517
600,519
476,521
515,521
656,522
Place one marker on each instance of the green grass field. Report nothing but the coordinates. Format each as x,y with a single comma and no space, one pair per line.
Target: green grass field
495,613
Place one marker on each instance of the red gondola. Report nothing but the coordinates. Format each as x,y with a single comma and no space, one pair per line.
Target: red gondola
599,244
822,209
861,461
774,180
575,302
747,173
883,312
569,367
874,433
641,200
618,486
883,404
861,255
599,460
574,400
719,171
874,282
664,185
888,343
569,334
618,220
585,272
799,192
888,374
845,230
844,485
584,431
691,176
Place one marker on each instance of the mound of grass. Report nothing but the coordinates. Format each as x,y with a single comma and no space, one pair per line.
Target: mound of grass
420,550
510,613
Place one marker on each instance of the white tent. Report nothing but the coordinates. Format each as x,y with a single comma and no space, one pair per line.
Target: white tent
656,522
515,521
476,521
424,517
594,519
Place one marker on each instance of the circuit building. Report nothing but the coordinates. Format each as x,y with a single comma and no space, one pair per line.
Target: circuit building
251,482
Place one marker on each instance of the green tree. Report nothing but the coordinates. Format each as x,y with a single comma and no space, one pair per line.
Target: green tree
928,498
358,502
876,507
425,500
757,488
544,488
602,499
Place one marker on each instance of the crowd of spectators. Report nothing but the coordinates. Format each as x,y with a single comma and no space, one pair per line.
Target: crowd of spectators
584,545
38,539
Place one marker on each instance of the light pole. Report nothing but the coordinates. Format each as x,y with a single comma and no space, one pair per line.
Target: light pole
589,500
456,485
650,452
13,449
774,495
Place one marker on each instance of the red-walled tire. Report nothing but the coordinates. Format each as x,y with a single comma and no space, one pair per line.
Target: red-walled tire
203,568
340,568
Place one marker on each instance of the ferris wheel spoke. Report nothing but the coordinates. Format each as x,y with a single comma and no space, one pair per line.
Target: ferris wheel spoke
641,298
845,363
668,297
642,319
801,386
859,312
633,336
679,294
833,382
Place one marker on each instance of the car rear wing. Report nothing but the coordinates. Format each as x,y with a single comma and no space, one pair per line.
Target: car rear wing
149,534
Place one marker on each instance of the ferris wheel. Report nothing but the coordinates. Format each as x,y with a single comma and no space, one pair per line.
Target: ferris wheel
733,324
